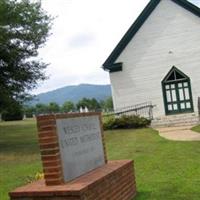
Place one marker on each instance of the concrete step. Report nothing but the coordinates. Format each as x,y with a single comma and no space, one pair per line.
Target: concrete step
190,119
173,125
177,116
176,121
176,128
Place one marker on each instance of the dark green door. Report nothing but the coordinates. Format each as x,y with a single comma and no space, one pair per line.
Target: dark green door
177,93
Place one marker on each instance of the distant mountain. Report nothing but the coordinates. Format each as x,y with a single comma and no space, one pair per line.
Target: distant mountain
73,93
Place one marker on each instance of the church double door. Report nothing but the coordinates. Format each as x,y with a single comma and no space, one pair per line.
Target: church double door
177,92
178,97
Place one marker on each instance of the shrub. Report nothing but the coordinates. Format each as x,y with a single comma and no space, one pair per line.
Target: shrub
125,122
108,122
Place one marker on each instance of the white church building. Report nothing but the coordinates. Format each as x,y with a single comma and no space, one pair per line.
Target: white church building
158,59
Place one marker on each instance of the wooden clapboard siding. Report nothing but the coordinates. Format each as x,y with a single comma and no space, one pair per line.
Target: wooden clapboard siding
169,37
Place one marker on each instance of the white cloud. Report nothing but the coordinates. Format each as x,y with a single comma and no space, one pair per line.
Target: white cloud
83,35
81,40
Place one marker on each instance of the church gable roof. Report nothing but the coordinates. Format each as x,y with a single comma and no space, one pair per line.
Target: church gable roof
109,63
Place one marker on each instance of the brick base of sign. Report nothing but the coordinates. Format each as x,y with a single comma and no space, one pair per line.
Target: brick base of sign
114,180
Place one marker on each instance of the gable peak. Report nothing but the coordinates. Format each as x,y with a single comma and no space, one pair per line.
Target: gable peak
108,64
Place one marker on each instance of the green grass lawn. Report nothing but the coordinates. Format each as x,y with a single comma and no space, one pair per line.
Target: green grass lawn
19,155
165,170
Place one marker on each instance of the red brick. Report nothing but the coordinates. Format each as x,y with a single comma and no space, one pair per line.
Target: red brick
50,157
50,151
49,145
49,176
51,163
45,140
113,181
46,122
43,134
45,117
56,169
47,128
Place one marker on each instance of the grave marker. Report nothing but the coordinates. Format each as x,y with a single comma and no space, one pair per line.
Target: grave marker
80,144
71,145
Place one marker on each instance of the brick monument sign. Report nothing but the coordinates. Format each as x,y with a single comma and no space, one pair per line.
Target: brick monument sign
75,164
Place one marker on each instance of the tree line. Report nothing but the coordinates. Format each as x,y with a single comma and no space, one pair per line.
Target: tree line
68,106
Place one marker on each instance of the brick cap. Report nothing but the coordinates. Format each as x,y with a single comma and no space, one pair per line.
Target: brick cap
75,187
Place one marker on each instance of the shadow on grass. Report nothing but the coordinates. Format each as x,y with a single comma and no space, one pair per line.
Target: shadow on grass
25,147
18,139
142,195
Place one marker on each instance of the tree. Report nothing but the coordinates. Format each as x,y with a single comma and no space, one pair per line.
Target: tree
94,104
91,104
68,106
41,108
29,111
53,107
84,102
24,27
108,104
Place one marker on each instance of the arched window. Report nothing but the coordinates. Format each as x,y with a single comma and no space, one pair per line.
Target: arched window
177,92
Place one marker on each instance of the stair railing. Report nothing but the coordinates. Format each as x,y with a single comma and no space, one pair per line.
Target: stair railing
143,110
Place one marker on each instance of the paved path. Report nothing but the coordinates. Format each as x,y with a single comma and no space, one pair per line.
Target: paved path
179,133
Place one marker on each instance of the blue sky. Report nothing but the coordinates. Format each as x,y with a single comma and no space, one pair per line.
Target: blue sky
83,35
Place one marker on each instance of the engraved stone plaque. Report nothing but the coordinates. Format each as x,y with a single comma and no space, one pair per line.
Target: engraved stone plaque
80,143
